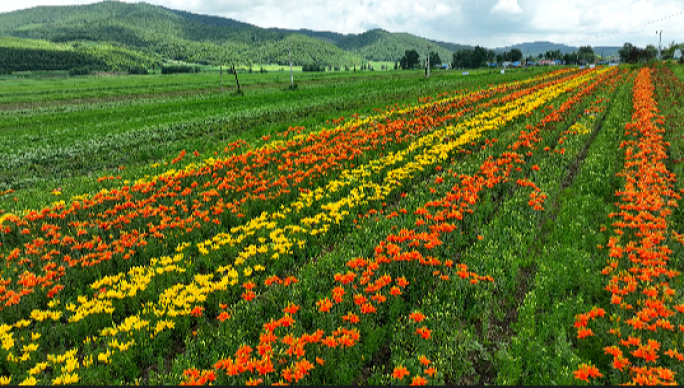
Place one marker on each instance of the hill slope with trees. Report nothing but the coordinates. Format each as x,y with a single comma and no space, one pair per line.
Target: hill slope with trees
159,33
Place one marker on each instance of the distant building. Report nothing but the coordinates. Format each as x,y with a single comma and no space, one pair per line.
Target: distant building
677,54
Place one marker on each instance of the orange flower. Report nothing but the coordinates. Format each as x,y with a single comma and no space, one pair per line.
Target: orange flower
351,317
402,282
424,360
418,380
197,311
584,333
324,305
249,285
416,316
400,372
424,332
223,316
368,308
291,308
249,295
253,381
585,371
329,342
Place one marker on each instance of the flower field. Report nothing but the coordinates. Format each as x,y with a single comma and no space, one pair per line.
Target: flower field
521,231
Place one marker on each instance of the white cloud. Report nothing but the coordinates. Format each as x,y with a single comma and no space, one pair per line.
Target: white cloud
491,23
506,7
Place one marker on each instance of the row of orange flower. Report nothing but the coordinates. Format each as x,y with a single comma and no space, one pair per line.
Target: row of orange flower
644,323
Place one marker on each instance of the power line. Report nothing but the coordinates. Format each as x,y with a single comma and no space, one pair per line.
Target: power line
627,29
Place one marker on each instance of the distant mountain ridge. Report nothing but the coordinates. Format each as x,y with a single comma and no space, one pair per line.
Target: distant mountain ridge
161,34
535,48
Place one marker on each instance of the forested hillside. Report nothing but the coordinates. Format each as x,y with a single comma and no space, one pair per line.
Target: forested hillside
18,54
380,45
147,33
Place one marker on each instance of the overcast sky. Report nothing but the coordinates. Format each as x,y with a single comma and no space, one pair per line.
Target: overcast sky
491,23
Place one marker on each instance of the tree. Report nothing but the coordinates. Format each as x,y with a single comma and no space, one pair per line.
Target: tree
410,59
586,53
491,56
479,57
435,59
651,52
499,58
570,58
625,52
516,54
540,56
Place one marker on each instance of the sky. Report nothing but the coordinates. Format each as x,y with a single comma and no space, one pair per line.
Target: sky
489,23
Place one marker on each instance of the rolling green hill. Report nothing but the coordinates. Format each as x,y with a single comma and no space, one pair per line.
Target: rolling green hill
155,33
165,34
380,45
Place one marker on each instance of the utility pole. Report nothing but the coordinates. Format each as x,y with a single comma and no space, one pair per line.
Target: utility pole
659,42
290,55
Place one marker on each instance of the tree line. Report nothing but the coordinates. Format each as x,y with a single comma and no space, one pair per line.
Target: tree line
20,59
480,56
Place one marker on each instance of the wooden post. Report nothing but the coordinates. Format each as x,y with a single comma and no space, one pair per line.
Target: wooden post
427,73
236,78
290,56
221,69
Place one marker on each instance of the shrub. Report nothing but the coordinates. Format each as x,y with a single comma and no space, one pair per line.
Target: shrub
139,70
79,71
313,67
176,69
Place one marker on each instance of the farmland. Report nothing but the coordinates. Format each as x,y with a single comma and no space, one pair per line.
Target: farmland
376,228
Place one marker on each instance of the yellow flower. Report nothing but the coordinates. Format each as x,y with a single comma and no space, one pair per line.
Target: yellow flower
35,336
29,381
104,357
29,348
41,366
8,341
5,380
71,378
